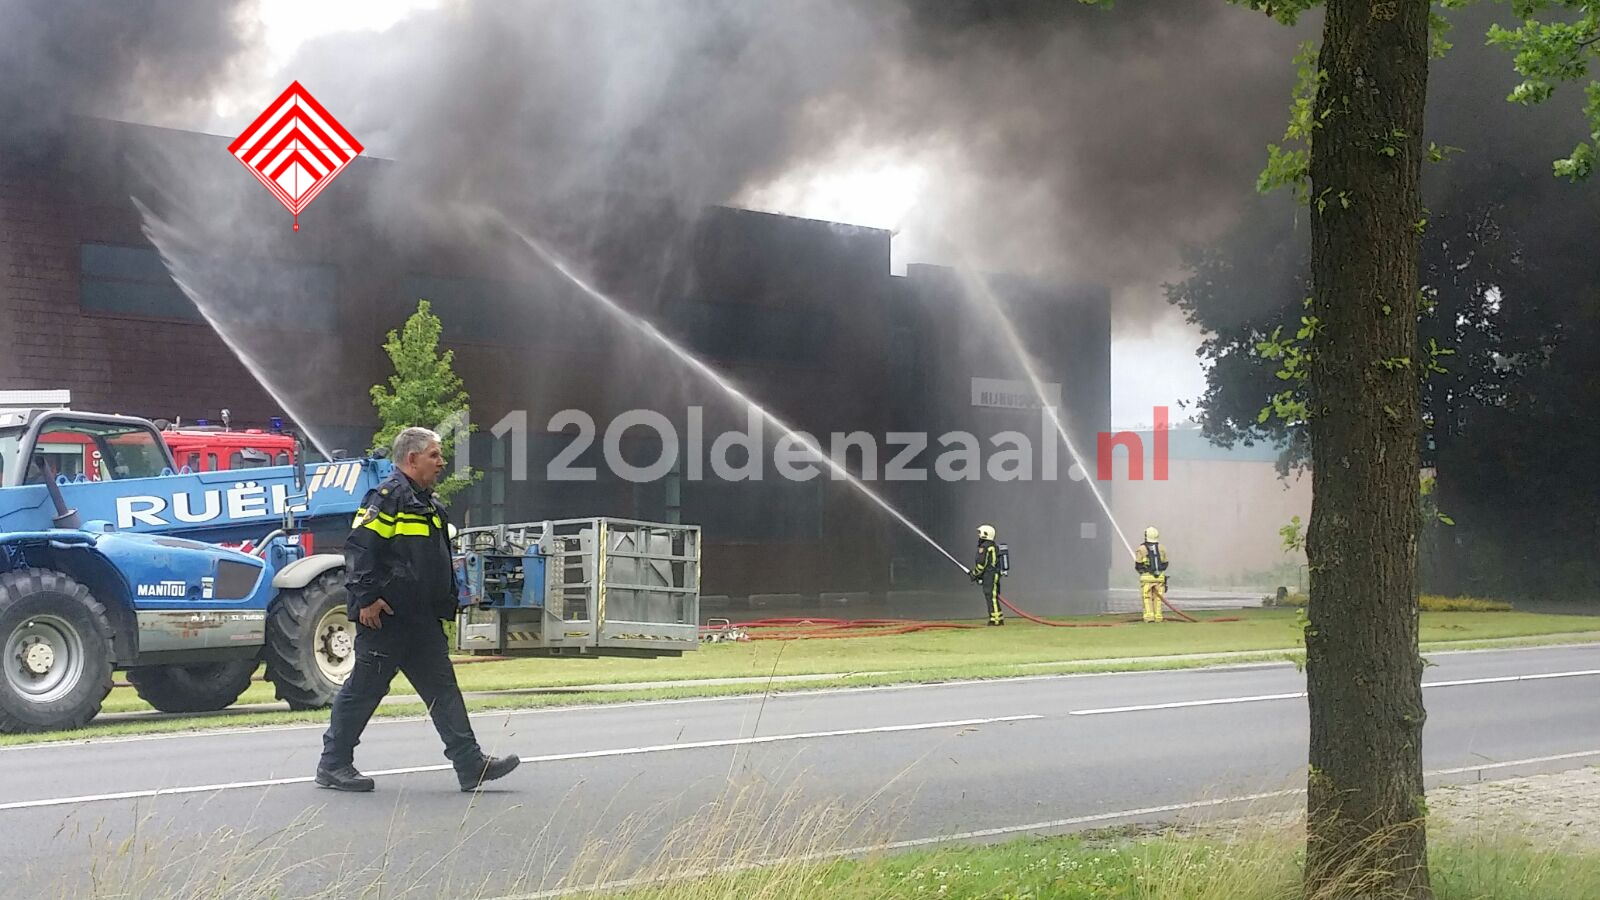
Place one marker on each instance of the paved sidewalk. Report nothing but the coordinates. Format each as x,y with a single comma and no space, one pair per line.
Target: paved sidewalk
1552,811
1559,809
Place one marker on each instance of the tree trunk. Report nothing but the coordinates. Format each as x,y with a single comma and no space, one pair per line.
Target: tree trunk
1366,834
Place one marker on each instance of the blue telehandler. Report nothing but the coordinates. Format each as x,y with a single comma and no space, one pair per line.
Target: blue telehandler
119,567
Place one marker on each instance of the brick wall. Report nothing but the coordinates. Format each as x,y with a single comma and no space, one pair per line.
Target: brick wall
548,357
110,363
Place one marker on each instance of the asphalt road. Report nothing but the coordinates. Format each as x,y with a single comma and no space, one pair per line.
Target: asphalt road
782,775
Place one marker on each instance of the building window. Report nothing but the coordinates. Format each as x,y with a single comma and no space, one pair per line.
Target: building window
133,281
130,281
483,311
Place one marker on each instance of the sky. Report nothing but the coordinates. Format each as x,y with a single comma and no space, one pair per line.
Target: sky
1154,365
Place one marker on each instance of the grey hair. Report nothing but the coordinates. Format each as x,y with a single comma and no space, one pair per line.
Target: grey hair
412,440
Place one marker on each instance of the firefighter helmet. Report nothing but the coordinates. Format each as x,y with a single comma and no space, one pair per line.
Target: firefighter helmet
1151,534
985,532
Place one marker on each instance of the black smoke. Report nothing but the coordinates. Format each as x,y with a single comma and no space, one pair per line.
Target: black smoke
136,60
1064,141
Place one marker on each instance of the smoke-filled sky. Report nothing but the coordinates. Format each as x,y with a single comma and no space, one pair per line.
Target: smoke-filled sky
1031,136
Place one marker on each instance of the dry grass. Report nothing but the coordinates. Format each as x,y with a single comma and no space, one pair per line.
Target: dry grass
758,842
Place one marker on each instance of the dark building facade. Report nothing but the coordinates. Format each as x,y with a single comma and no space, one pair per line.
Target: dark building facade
803,316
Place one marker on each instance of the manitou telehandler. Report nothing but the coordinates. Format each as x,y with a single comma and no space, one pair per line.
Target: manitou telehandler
126,572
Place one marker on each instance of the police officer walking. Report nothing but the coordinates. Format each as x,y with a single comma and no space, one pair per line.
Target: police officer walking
402,585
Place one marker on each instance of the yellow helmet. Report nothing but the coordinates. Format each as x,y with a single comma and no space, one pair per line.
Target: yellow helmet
1151,534
985,532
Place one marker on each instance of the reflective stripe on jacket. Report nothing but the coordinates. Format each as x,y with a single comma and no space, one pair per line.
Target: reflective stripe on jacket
399,551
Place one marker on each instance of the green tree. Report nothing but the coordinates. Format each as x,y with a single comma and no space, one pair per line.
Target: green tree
1359,159
1355,153
424,390
1516,305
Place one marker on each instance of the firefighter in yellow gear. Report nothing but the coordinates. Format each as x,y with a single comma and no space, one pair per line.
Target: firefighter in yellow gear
1150,561
986,573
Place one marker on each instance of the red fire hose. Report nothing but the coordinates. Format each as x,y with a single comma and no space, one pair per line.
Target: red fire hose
808,627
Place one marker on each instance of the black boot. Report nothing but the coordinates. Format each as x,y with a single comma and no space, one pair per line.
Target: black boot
344,778
486,769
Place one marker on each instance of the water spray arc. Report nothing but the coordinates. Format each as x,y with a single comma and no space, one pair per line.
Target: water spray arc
977,288
166,238
700,367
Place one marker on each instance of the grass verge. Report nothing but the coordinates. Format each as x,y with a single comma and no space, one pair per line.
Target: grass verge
1018,648
1244,866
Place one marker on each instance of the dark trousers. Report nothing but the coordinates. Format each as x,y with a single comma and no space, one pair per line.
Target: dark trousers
418,649
990,585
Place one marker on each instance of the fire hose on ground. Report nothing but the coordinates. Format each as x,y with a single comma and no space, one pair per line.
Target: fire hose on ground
813,628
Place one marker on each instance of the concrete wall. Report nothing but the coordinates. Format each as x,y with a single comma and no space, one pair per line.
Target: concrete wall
1219,519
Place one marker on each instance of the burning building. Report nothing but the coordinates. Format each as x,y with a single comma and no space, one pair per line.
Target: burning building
151,299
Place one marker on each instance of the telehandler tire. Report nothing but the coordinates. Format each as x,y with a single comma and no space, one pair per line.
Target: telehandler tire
55,652
197,687
310,642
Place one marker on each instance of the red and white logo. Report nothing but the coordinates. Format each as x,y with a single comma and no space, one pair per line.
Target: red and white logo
295,148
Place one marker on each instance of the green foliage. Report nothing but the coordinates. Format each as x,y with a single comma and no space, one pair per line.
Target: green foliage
1512,380
1289,164
424,390
1430,504
1294,536
1546,53
1293,356
1255,859
1286,12
1434,352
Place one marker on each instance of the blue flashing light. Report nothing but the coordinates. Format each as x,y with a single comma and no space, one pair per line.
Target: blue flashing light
277,423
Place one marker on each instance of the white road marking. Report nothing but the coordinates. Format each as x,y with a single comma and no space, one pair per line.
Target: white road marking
1506,678
555,757
487,714
1510,763
1183,704
1258,698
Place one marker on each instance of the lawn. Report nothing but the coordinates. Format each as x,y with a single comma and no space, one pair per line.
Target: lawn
979,650
1018,648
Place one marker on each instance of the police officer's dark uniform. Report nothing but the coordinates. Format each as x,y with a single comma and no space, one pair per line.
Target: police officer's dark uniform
399,551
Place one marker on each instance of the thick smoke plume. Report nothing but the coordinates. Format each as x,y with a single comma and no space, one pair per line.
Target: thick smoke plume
139,59
1057,140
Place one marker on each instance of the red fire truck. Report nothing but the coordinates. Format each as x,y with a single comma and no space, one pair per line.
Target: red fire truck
206,449
196,448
